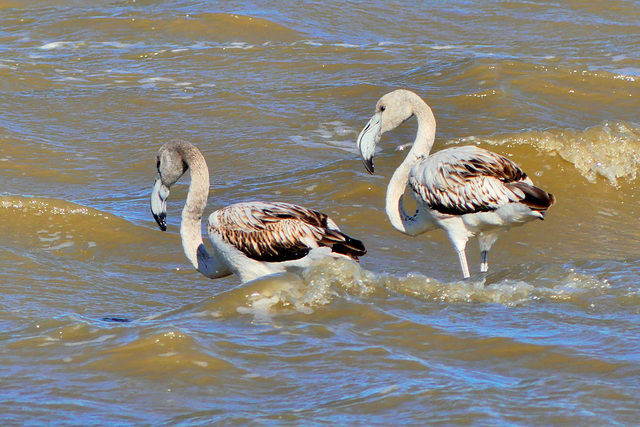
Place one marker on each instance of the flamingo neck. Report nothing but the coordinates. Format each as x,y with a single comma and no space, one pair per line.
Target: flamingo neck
419,221
210,265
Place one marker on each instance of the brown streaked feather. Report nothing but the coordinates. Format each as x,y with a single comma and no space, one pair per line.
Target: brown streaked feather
469,179
276,232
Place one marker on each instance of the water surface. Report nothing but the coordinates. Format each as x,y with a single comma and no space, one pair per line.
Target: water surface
274,95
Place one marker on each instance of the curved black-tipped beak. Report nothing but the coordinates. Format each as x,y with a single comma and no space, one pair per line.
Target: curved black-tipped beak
367,141
368,164
161,220
159,196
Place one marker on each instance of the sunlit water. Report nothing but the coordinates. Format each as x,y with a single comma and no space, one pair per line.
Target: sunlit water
103,319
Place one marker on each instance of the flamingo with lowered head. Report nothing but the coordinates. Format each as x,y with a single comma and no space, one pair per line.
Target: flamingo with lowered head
251,239
467,191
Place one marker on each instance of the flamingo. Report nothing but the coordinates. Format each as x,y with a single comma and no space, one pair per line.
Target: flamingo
252,239
466,191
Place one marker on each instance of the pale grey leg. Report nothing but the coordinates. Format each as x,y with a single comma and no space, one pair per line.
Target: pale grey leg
484,264
486,240
463,263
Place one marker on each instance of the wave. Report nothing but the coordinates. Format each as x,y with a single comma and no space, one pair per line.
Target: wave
56,225
203,27
174,343
318,287
150,352
72,242
609,150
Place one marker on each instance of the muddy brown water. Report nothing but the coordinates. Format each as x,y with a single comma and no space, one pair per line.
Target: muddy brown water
274,96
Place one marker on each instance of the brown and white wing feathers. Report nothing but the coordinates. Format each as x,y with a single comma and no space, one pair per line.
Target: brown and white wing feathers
276,232
468,179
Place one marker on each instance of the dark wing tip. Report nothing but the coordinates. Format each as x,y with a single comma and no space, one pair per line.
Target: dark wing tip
534,197
353,248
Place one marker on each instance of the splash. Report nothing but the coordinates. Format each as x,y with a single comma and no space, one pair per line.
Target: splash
507,292
314,286
514,287
610,150
332,280
290,293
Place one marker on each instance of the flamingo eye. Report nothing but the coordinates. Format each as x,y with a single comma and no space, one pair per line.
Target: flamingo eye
382,108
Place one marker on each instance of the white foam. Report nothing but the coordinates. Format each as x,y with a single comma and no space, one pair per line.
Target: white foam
168,354
328,132
324,133
251,376
48,340
52,237
117,45
61,246
442,47
60,45
69,79
156,80
97,340
260,308
312,43
609,150
629,74
239,45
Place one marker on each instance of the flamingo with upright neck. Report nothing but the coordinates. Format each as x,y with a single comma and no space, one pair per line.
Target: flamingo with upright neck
467,191
252,239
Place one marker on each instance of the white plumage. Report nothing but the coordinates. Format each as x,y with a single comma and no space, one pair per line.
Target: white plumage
467,191
251,239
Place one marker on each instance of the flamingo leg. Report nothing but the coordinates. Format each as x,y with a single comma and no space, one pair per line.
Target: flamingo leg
459,235
486,240
463,263
484,264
